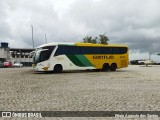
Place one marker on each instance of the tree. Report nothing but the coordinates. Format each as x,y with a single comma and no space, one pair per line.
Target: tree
94,40
88,39
103,39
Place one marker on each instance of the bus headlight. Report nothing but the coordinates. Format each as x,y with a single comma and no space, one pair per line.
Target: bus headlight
39,64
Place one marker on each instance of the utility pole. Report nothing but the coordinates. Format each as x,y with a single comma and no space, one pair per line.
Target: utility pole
150,55
46,37
32,36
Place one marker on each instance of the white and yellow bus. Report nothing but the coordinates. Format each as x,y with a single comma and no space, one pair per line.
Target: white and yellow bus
80,56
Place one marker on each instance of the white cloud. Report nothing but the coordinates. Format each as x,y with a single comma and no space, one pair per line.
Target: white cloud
132,22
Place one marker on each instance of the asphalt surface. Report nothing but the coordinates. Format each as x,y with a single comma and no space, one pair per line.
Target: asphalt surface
136,88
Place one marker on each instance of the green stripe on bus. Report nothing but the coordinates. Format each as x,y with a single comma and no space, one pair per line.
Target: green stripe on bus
84,60
79,60
75,60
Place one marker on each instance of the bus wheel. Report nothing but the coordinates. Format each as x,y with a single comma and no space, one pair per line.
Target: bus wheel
97,70
113,67
58,68
105,67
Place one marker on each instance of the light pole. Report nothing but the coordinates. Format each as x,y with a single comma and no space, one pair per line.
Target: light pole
46,37
32,36
150,55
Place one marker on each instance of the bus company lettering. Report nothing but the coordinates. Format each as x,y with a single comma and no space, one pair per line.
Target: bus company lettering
103,57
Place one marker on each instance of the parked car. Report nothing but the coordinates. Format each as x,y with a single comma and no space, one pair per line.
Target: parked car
7,64
1,64
18,64
134,62
149,62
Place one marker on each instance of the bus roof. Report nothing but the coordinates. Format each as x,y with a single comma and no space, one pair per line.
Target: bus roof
81,44
101,45
55,43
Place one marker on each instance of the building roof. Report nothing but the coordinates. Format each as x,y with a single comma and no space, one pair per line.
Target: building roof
22,49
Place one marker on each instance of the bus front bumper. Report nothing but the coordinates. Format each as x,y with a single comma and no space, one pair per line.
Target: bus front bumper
40,67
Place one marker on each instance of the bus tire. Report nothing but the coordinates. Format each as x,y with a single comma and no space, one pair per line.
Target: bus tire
105,67
97,70
113,67
58,68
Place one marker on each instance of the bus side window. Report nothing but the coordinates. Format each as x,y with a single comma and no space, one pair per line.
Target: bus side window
124,50
86,50
68,50
116,50
72,50
57,51
96,50
76,50
64,50
61,50
107,50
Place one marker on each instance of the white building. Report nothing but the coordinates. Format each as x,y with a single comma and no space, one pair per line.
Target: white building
15,54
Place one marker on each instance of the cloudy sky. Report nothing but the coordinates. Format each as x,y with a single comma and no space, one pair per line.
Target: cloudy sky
132,22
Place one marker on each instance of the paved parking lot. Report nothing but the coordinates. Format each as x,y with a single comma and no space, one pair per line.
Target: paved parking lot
136,88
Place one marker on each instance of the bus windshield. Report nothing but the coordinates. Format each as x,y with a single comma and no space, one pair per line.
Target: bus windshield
42,54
